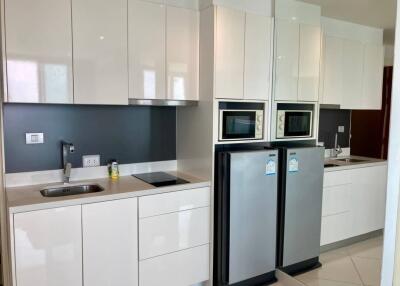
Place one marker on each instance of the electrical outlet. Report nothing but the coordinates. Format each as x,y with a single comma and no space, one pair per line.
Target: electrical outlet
341,129
90,161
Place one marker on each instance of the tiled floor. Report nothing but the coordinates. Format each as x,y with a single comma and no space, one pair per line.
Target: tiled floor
357,264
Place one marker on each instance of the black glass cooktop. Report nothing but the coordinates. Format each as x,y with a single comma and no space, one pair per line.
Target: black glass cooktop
160,179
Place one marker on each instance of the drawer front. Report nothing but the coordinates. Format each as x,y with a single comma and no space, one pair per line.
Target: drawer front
336,228
336,200
173,232
173,202
181,268
337,178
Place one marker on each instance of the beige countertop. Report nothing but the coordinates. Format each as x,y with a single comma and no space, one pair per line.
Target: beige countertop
29,198
342,165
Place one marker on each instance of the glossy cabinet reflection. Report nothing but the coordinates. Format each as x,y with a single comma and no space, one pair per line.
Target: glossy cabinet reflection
257,59
100,51
110,243
182,53
147,50
229,53
48,247
287,59
39,51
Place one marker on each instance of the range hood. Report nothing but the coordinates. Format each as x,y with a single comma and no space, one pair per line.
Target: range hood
162,102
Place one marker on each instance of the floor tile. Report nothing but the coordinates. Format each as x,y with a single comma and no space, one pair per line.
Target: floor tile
371,248
335,267
323,282
369,270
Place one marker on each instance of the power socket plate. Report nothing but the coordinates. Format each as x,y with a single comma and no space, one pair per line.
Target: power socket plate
90,161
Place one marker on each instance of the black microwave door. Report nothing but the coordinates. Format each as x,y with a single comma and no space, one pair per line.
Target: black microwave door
238,125
298,124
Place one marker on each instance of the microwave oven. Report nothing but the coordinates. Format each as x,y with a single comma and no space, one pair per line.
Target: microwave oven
294,124
241,125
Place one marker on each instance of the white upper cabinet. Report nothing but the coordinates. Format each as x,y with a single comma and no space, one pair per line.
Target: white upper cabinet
353,58
332,83
38,41
287,60
352,65
309,62
257,59
182,53
229,53
147,50
373,76
243,49
48,247
100,51
110,243
297,51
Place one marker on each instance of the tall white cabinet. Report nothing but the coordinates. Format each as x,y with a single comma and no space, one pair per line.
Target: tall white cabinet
100,51
110,243
243,49
352,65
297,51
38,42
48,247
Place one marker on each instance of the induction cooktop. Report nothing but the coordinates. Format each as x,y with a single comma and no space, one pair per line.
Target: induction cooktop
160,179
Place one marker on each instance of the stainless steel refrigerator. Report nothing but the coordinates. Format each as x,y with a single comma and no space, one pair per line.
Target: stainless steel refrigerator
300,208
246,217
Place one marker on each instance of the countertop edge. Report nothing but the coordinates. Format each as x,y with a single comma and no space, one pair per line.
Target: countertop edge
104,198
355,166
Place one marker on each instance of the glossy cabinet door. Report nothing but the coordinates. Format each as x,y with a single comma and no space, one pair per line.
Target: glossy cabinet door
100,51
173,232
182,53
48,247
229,53
38,51
287,60
147,50
309,62
332,74
373,76
110,246
352,72
257,59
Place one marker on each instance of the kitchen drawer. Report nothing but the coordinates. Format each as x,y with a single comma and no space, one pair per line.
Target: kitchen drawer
336,228
173,202
168,233
181,268
337,178
336,199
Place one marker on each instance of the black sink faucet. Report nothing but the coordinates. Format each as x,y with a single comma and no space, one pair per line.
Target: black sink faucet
66,149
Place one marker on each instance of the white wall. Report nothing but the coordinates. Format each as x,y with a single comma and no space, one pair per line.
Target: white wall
389,55
391,251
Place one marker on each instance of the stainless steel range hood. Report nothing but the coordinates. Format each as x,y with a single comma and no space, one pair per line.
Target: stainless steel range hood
162,102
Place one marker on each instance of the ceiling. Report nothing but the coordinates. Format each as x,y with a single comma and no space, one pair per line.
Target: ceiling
376,13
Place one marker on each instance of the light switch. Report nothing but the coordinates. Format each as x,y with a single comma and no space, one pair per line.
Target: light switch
34,138
341,129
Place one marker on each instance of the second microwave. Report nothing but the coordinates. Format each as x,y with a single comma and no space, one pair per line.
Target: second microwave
294,124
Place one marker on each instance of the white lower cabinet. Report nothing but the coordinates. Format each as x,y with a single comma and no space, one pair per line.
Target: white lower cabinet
48,247
98,244
110,243
173,232
181,268
353,203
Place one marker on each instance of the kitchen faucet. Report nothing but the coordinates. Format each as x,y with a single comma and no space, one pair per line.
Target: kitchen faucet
337,150
66,149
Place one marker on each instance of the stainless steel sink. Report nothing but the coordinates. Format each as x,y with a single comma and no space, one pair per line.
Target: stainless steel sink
71,190
350,160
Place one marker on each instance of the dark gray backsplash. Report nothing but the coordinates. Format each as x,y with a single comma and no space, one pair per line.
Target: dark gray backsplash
130,134
329,121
